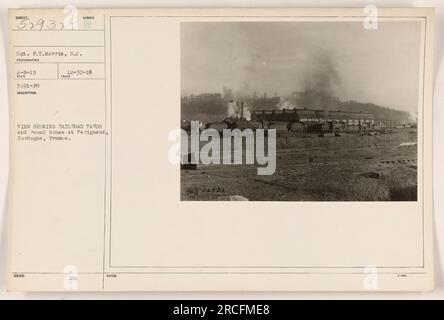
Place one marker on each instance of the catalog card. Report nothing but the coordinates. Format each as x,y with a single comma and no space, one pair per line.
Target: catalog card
221,149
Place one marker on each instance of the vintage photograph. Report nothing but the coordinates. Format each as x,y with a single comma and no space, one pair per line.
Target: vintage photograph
300,110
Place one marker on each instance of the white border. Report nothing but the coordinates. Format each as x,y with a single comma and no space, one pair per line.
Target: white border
438,152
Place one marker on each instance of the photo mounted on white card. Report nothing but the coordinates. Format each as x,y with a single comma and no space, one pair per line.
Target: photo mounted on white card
221,149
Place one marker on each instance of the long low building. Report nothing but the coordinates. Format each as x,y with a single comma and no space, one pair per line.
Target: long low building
311,115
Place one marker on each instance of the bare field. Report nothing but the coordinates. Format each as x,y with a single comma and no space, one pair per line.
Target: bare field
351,167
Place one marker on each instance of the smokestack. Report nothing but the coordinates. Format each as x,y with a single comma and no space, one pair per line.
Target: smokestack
242,110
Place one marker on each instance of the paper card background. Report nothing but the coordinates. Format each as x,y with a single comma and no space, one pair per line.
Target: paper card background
438,118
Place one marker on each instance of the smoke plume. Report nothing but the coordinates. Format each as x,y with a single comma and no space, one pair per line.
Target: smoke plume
234,110
320,84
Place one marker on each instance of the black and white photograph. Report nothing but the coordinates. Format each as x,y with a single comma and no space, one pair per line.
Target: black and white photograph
328,109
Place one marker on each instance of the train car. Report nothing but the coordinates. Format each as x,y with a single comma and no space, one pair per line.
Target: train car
326,127
311,127
219,126
338,127
247,124
185,125
297,127
280,127
352,129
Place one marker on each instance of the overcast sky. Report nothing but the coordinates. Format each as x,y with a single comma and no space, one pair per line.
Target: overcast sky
379,66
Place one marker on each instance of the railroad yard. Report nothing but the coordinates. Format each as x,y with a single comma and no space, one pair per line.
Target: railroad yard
345,167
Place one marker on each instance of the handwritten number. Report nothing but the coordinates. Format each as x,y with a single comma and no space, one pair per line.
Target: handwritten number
40,23
51,24
22,24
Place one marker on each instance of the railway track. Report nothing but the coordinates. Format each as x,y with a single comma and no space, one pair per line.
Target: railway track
211,169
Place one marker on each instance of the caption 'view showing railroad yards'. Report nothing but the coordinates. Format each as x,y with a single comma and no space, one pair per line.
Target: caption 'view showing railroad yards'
333,104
